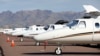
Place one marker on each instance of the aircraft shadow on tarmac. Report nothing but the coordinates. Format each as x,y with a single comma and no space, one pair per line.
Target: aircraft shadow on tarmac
97,47
39,45
64,53
26,45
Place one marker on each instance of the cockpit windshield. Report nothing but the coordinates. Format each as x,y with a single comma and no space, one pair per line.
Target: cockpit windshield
73,23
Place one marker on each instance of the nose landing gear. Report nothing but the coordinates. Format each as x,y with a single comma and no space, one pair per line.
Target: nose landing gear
58,51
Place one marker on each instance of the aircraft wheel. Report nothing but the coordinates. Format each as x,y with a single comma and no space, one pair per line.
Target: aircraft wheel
98,45
21,39
37,43
58,51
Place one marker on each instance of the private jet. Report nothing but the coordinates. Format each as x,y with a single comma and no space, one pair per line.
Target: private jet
7,31
85,30
16,30
32,28
49,27
43,29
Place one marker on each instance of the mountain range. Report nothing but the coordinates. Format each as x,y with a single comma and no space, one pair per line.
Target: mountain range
35,17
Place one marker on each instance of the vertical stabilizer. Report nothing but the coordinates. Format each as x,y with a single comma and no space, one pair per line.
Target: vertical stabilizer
90,8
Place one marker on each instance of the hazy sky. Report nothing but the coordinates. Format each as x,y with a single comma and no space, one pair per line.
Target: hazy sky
54,5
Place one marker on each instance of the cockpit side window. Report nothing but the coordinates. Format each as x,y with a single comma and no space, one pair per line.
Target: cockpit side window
82,24
97,25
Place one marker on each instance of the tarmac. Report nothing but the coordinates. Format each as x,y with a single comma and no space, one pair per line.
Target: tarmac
28,48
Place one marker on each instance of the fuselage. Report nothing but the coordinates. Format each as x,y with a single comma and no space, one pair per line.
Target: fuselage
78,31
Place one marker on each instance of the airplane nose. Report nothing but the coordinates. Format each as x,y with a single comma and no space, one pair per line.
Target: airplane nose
38,38
35,38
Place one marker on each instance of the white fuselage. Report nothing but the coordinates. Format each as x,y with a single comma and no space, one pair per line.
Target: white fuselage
79,31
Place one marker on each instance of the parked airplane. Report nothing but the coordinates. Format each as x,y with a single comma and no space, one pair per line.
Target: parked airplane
43,29
7,31
84,30
15,30
49,27
27,30
33,30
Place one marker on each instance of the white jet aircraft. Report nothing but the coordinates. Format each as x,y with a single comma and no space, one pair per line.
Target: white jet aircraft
84,30
49,27
7,31
16,30
43,29
32,28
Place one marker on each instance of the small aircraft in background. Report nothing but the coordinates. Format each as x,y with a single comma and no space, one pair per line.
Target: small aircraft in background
7,31
43,29
27,30
85,30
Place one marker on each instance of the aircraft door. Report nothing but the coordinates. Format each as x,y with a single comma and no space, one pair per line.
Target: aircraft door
96,35
82,25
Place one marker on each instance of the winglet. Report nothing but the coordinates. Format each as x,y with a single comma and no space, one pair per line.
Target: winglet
90,8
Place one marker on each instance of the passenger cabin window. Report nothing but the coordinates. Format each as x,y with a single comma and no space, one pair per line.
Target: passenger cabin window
82,24
97,25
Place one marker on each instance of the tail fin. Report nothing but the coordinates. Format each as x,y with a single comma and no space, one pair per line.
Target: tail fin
90,8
